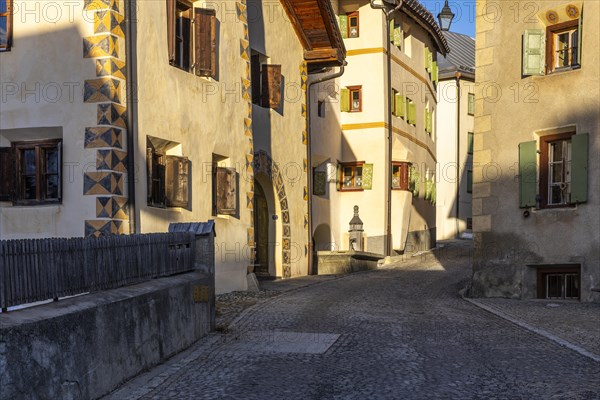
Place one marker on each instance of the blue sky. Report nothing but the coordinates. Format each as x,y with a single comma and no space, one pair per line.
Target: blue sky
464,10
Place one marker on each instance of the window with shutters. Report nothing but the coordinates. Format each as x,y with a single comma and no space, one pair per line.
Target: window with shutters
352,176
266,81
563,171
353,25
192,38
471,105
225,191
167,175
401,175
5,25
558,48
396,34
31,172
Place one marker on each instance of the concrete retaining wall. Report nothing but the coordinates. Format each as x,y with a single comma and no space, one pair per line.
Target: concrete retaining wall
84,347
344,262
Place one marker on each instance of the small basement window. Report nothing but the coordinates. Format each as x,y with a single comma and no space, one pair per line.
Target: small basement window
559,282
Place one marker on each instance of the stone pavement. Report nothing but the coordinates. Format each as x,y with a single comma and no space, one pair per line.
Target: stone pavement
401,332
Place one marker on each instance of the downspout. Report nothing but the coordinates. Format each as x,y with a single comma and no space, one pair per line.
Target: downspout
388,227
132,129
309,161
457,76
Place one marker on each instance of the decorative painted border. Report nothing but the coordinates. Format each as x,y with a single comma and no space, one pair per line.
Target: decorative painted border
263,163
106,92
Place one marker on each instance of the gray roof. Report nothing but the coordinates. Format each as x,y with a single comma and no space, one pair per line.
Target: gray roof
199,228
461,57
416,10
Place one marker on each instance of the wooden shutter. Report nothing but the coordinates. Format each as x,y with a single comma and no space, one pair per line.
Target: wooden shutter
527,174
226,191
8,173
271,85
177,189
319,183
534,52
343,22
391,29
579,168
205,42
345,100
428,59
367,176
171,16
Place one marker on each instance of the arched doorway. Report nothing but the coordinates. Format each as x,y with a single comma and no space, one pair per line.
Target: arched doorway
261,231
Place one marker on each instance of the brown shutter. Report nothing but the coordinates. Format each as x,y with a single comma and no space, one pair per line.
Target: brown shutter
7,173
171,16
177,182
205,43
404,176
271,86
226,191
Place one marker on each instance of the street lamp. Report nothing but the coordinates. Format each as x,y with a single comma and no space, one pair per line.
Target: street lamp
445,17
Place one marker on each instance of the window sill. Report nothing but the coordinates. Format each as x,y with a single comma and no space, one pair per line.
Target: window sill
566,208
13,206
177,210
351,190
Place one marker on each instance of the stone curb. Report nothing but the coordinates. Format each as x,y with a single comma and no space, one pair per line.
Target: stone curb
539,331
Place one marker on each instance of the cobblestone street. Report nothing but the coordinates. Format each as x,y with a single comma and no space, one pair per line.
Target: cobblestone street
401,332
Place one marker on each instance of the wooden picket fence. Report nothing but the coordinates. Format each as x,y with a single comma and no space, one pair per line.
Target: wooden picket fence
43,269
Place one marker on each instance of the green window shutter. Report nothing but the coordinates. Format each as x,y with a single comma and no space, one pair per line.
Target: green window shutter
430,121
399,105
412,113
470,138
343,22
534,52
392,31
367,176
338,181
434,72
398,36
527,174
579,168
345,100
429,60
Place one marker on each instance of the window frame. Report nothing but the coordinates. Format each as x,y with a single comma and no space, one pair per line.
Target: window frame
8,14
470,142
190,10
355,89
563,271
469,181
551,33
351,15
40,146
404,178
471,104
544,174
353,165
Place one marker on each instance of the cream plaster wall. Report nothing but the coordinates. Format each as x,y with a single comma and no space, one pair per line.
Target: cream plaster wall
206,116
279,132
505,240
361,142
446,167
42,79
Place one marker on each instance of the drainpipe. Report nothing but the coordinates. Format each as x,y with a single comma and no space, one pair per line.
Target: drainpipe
457,76
388,227
309,161
131,84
